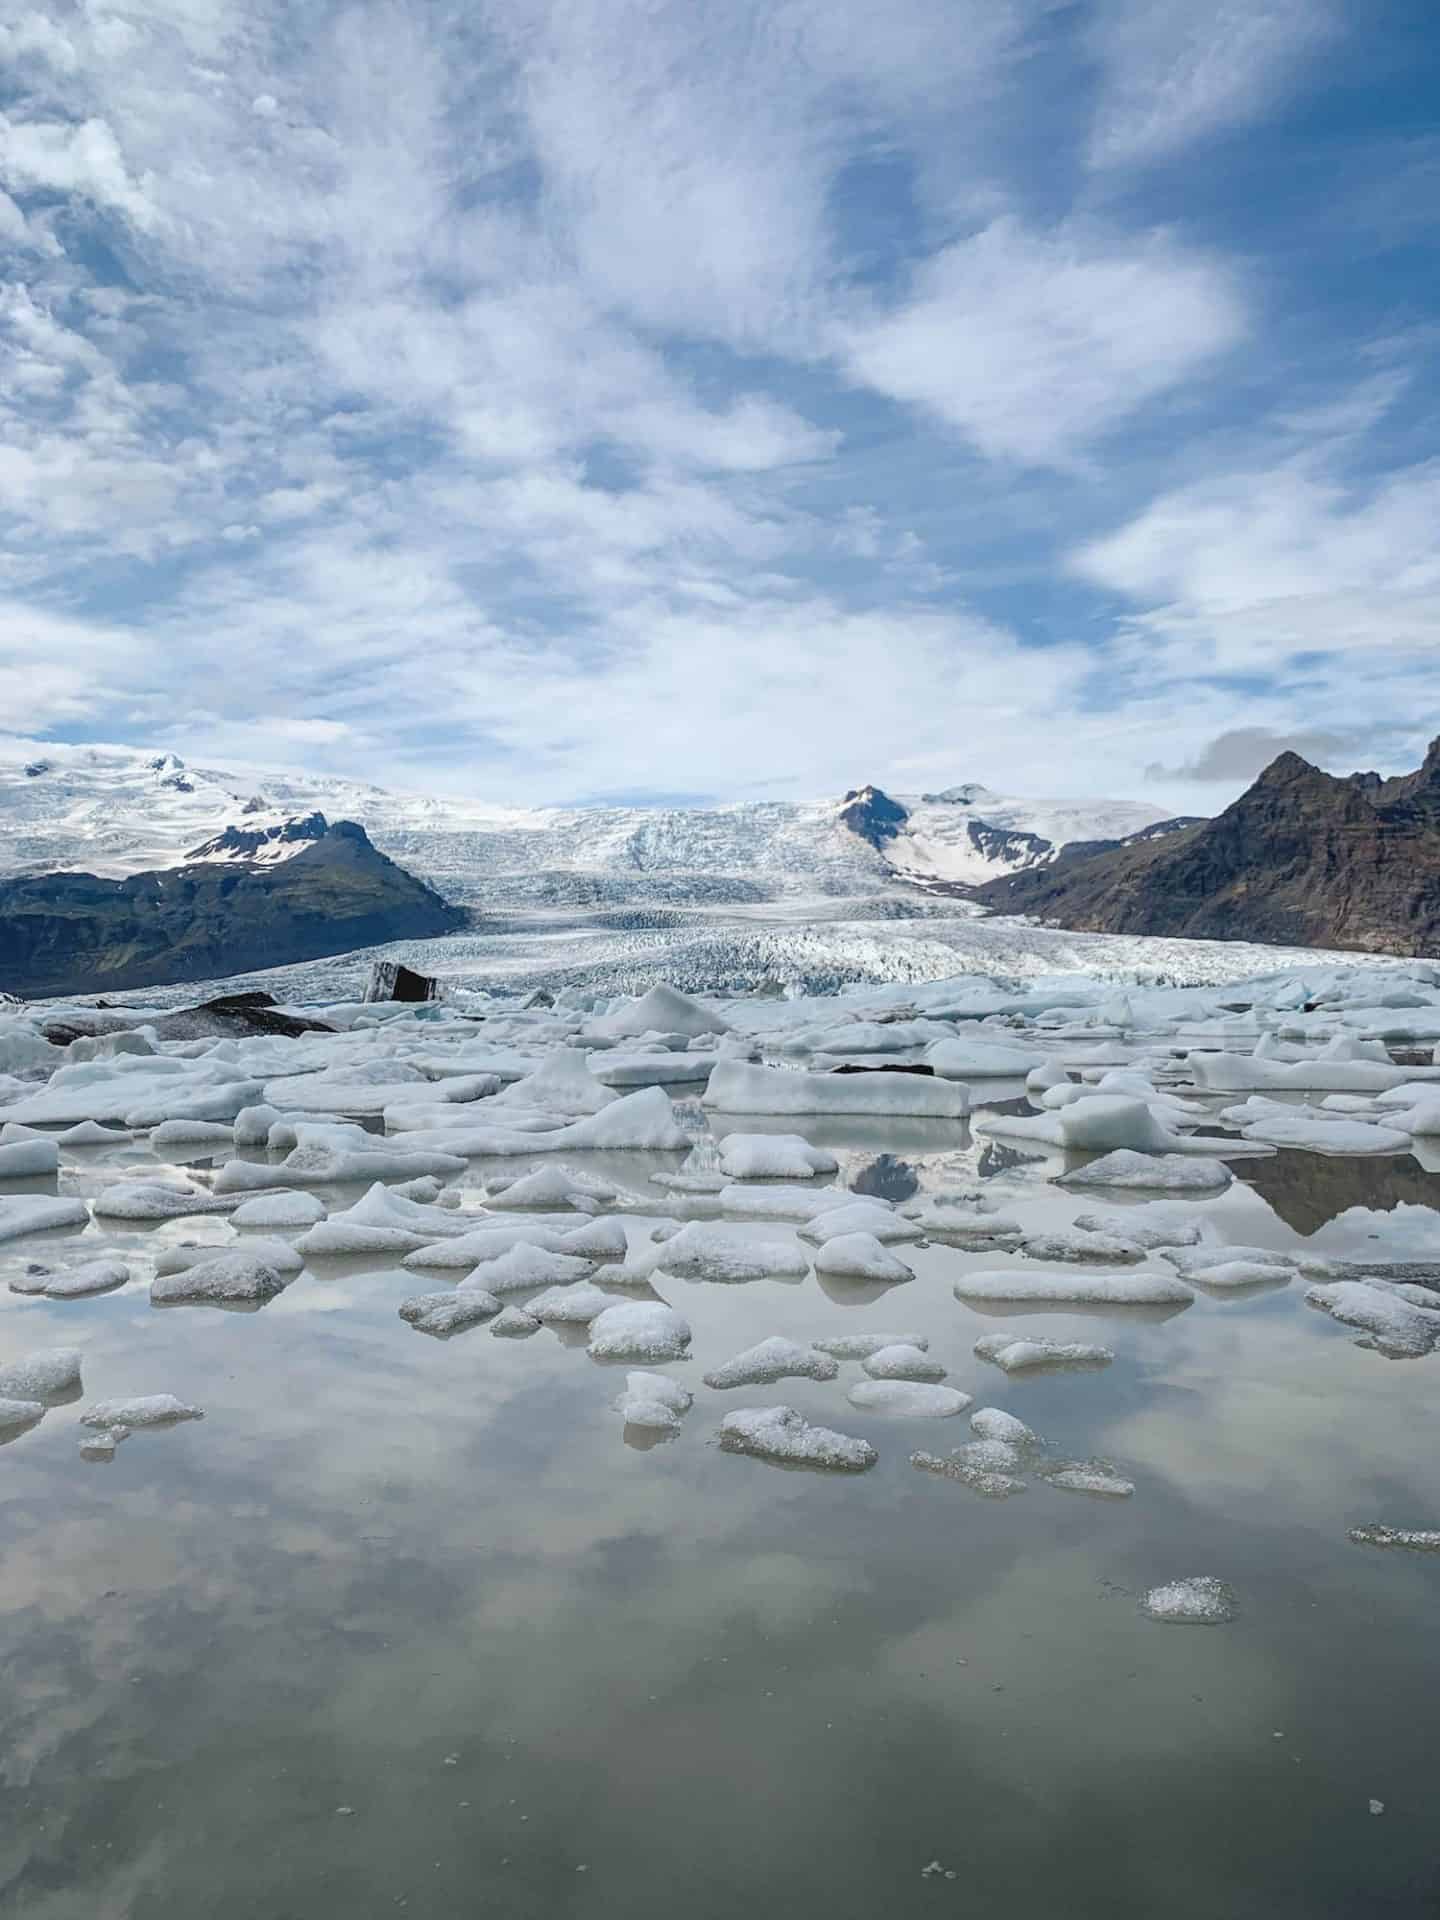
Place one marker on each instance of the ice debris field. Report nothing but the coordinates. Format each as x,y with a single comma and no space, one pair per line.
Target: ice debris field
595,1167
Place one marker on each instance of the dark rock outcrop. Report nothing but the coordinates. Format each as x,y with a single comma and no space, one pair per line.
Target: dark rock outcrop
250,843
389,980
1303,858
63,933
873,815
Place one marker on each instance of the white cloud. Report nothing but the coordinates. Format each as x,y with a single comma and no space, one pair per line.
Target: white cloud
1174,71
1033,343
83,160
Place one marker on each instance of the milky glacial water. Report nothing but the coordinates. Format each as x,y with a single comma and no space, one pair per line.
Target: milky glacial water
405,1625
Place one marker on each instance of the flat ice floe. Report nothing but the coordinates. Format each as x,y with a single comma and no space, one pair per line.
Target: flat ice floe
1134,1287
1413,1539
526,1268
860,1346
1077,1245
514,1323
283,1208
987,1467
382,1222
865,1216
1028,1353
1198,1601
74,1283
773,1359
1101,1479
571,1306
23,1213
1390,1323
1169,1171
450,1312
29,1159
229,1279
1152,1224
156,1200
994,1423
148,1410
784,1434
548,1187
736,1087
708,1250
17,1414
910,1399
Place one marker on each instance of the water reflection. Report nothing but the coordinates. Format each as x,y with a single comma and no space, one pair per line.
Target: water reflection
888,1178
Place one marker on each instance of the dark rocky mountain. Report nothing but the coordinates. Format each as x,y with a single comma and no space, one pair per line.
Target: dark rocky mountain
873,816
1302,858
73,933
249,843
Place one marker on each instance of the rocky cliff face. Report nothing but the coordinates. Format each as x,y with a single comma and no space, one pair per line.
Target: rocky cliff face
1302,858
73,933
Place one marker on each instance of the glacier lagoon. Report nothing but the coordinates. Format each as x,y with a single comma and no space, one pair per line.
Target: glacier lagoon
421,1624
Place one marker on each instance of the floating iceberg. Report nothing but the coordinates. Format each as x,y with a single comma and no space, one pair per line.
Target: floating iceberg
784,1434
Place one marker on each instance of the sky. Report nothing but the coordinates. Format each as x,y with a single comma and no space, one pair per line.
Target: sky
564,400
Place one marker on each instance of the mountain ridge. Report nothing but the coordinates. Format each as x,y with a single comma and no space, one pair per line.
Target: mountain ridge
1303,857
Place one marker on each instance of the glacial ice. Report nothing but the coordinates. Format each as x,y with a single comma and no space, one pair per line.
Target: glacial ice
155,1200
282,1208
1415,1539
29,1159
49,1374
75,1283
15,1414
230,1278
711,1250
23,1213
860,1346
736,1087
1390,1323
865,1216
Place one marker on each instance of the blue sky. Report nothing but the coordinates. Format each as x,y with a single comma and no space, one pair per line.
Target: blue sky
579,398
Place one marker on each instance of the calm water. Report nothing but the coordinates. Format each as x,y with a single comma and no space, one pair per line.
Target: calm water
406,1625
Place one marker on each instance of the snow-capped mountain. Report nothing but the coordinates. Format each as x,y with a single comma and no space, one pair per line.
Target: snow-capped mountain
114,811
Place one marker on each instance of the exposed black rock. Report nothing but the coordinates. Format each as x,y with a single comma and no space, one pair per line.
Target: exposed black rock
248,843
915,1067
71,933
873,815
389,980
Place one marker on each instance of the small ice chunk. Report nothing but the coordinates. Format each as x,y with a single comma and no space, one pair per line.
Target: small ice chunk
773,1156
101,1446
773,1359
549,1188
912,1399
1155,1224
149,1410
524,1268
513,1323
711,1250
89,1133
736,1087
882,1223
994,1423
784,1434
964,1217
639,1330
860,1346
232,1278
860,1256
1169,1171
1099,1478
23,1213
193,1133
252,1125
801,1204
1392,1326
1134,1287
80,1283
275,1253
902,1363
1076,1245
450,1311
48,1374
153,1200
1028,1353
1416,1539
973,1466
571,1306
380,1222
691,1181
1199,1601
599,1240
654,1401
282,1208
